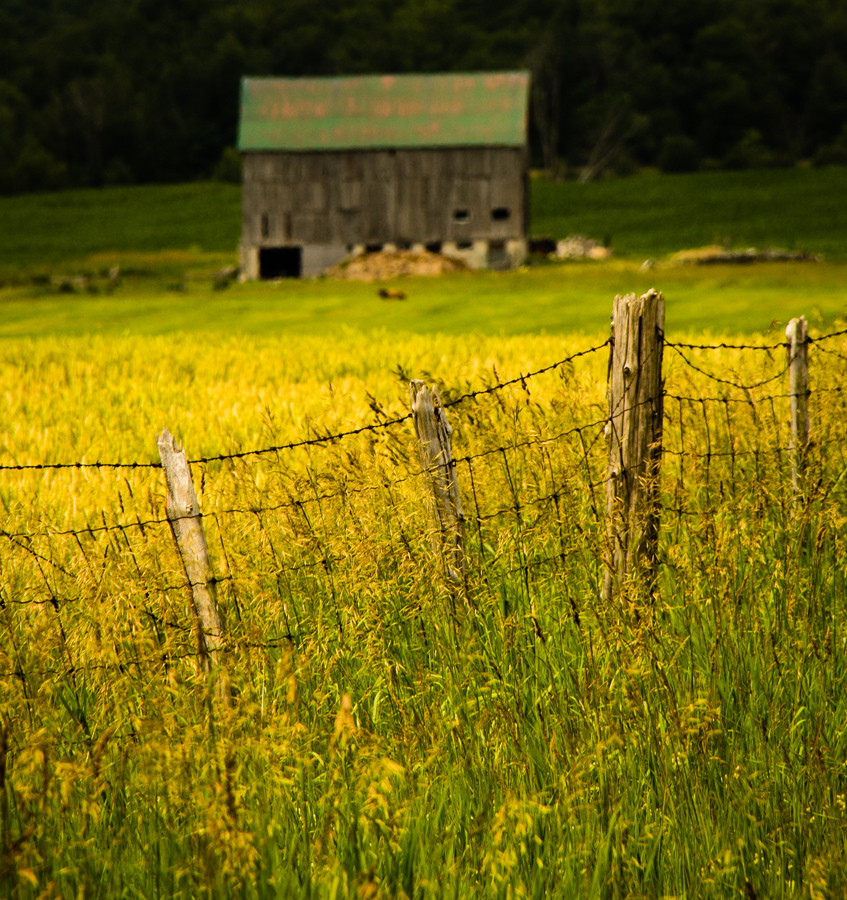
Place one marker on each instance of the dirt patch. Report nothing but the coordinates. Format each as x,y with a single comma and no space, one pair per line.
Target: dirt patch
713,255
386,264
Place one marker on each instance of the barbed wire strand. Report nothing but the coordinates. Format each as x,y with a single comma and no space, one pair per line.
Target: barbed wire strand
347,490
305,442
827,337
830,352
397,420
674,345
726,381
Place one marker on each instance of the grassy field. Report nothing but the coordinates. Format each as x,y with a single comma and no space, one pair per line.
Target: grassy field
389,735
390,738
643,216
653,215
42,231
169,242
561,300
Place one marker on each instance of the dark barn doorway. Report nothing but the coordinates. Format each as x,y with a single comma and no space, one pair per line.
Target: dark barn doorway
280,262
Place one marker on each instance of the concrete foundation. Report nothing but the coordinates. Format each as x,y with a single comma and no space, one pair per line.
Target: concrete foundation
312,260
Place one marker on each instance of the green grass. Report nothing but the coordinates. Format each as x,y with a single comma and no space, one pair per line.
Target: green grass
564,300
654,215
45,231
528,741
643,216
170,240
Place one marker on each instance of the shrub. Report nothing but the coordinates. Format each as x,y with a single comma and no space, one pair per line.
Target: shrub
228,168
679,153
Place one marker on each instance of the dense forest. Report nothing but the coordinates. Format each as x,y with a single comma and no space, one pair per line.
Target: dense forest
95,92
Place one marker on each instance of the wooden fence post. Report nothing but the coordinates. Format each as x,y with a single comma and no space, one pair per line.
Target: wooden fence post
798,387
436,455
634,432
185,518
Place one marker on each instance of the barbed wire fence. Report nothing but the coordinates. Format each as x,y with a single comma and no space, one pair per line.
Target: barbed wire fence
296,544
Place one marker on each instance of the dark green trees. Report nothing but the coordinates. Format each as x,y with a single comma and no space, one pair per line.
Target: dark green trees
94,92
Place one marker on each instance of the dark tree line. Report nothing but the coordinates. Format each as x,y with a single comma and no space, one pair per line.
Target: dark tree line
94,91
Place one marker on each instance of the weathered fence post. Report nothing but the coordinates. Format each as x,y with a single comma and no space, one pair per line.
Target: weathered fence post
634,433
798,387
436,455
185,518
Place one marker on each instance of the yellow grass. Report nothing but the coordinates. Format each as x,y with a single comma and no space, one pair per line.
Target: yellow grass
388,736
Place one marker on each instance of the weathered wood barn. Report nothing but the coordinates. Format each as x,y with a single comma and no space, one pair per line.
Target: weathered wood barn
337,166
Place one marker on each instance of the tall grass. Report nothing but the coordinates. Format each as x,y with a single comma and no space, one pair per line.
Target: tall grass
390,737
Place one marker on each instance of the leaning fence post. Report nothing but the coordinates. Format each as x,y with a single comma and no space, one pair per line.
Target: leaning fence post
186,524
634,432
798,388
436,454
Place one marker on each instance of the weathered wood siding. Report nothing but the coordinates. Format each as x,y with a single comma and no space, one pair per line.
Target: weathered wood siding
384,196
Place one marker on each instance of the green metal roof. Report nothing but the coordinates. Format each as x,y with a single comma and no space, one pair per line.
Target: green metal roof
487,108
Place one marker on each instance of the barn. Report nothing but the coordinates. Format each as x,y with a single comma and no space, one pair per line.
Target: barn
340,166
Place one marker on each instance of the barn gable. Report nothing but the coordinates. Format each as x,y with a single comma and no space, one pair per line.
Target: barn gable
337,165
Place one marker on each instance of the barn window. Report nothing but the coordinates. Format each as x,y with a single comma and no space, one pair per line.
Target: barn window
501,213
351,195
464,245
280,262
461,216
266,225
433,247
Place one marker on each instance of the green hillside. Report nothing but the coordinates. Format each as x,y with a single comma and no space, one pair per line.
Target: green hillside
167,242
643,216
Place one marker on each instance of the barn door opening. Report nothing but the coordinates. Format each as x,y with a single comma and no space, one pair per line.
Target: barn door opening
280,262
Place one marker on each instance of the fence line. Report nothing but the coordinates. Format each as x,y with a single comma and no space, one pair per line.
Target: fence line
827,337
294,503
679,345
22,467
521,379
307,442
352,490
470,395
719,380
567,476
829,351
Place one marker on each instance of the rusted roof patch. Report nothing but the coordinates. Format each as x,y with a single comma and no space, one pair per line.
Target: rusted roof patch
479,109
